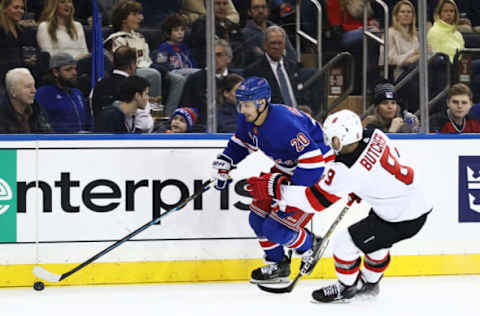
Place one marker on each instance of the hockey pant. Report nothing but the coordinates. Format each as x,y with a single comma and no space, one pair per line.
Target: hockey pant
276,228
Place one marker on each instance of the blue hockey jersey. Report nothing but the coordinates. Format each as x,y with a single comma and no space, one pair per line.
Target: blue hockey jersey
173,56
291,138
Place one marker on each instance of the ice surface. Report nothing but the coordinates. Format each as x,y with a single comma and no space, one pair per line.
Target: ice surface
446,295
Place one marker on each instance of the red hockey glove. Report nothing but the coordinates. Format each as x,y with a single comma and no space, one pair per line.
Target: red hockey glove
266,186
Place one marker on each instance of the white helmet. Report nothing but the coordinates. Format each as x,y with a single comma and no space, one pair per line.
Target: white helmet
345,125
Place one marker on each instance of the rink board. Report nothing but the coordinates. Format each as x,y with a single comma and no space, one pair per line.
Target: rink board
95,189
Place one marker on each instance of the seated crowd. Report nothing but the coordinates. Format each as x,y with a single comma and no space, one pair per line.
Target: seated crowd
155,63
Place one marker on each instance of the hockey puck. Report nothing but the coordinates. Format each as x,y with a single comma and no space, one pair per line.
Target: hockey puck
38,286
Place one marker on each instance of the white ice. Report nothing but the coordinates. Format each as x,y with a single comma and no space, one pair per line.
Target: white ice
422,296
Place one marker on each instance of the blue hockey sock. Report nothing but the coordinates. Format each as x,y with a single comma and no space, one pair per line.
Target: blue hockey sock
275,255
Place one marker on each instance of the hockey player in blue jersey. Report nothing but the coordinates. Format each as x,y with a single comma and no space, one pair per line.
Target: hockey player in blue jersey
294,141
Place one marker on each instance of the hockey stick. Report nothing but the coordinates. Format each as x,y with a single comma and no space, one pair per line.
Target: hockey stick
45,275
306,266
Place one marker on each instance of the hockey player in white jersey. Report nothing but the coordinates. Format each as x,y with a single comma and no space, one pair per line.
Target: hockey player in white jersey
373,168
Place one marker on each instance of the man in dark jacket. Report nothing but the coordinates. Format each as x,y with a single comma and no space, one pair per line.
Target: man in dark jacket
107,90
119,117
18,111
254,32
283,74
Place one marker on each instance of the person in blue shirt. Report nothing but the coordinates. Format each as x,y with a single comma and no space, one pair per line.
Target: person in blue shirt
294,141
173,54
66,107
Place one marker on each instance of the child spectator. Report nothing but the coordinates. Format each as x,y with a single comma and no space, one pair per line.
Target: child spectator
456,119
182,120
173,54
126,19
59,33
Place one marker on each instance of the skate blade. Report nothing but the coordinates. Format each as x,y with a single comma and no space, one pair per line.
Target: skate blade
339,301
356,298
274,281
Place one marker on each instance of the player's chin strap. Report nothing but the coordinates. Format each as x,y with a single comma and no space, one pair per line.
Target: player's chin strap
267,106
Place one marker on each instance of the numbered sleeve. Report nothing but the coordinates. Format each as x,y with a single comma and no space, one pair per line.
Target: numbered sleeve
319,196
311,160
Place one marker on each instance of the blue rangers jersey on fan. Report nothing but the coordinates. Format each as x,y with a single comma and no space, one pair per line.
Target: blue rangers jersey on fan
291,138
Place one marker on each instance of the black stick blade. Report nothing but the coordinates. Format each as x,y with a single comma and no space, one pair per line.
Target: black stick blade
281,290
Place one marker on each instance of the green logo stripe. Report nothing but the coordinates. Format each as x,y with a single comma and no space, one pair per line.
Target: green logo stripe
8,195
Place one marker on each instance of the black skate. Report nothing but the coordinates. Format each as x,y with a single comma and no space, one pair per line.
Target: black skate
368,289
336,292
276,272
309,257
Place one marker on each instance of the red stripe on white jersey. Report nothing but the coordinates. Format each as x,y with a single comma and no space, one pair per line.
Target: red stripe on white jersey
331,197
312,199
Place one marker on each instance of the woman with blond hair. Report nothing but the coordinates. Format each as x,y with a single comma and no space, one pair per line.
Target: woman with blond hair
13,37
444,36
402,38
58,32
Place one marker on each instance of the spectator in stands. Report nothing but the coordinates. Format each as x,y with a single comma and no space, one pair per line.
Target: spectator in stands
182,121
195,92
443,36
388,116
402,38
126,19
347,15
227,114
173,54
18,111
108,89
193,9
281,73
59,33
224,29
66,107
117,118
254,32
13,37
456,119
404,55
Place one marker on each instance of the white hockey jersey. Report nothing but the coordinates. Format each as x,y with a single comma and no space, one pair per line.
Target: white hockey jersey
376,172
